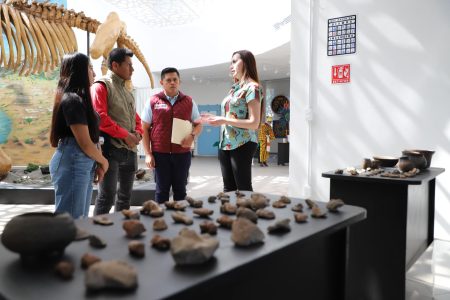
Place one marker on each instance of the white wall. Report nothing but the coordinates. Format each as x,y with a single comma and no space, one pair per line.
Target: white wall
210,92
398,97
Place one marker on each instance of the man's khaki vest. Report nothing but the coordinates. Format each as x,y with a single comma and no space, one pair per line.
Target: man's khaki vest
121,106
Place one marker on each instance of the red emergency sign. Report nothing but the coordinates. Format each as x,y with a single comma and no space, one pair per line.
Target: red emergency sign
340,73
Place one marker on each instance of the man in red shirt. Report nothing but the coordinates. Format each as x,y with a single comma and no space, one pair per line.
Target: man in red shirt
121,128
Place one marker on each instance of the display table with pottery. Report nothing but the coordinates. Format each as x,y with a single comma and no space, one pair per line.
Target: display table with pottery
309,262
398,229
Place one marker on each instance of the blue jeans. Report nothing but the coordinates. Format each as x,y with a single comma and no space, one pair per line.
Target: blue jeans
72,174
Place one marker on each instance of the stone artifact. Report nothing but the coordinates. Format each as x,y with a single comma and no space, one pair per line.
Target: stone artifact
38,35
133,228
339,171
208,227
334,204
194,203
222,195
247,213
297,207
225,221
39,234
159,225
278,204
111,274
189,248
300,217
318,213
224,200
89,259
228,208
152,208
243,202
136,249
366,164
102,220
176,205
131,214
239,194
281,226
5,161
310,203
285,199
258,201
212,199
64,269
203,212
96,242
245,233
265,214
180,217
397,174
140,174
160,243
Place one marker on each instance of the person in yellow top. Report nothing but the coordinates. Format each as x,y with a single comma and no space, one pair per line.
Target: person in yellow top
265,135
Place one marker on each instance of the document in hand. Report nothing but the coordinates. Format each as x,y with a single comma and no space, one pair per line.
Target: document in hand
180,129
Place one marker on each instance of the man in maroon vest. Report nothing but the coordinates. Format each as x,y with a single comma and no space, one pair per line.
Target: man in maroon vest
171,161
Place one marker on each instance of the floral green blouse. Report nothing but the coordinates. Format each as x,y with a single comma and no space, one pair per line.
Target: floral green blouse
235,105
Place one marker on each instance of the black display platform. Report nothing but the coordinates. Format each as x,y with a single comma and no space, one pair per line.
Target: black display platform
309,261
398,229
283,153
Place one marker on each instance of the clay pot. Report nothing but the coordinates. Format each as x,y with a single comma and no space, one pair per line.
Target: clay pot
386,161
405,164
417,158
39,234
428,154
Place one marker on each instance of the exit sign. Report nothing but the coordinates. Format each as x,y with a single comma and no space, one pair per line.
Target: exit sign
340,74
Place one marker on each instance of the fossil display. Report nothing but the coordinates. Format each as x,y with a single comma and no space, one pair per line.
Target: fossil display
39,34
225,221
159,225
310,203
39,234
285,199
160,243
102,220
247,213
176,205
152,208
281,226
194,203
245,233
136,249
265,214
133,228
203,212
140,174
300,217
316,212
64,269
208,227
88,259
112,274
212,199
131,214
228,208
334,204
279,204
189,248
96,242
180,217
297,207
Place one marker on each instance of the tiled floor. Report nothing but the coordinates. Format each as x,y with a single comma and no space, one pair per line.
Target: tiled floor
428,278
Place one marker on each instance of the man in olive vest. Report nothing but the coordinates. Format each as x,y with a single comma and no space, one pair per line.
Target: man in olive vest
121,128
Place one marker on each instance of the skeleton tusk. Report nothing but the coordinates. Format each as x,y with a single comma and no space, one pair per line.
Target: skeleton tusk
44,48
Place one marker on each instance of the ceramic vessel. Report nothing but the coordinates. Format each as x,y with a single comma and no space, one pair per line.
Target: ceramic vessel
386,161
39,234
428,154
405,164
417,158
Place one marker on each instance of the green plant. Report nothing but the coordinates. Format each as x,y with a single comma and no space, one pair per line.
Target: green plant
31,167
28,120
29,141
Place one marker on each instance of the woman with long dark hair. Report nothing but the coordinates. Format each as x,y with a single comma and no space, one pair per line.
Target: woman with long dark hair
75,133
242,111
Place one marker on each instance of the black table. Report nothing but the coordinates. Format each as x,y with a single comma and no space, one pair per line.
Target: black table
398,229
283,153
310,262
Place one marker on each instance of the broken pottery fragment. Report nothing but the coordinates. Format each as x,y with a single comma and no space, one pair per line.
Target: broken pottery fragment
194,203
225,221
159,224
133,228
39,234
208,227
203,212
310,203
189,248
297,207
318,213
247,213
131,214
180,217
285,199
245,233
136,249
176,205
281,226
300,217
212,199
96,242
228,208
64,269
102,220
88,259
265,214
279,204
160,243
334,204
111,274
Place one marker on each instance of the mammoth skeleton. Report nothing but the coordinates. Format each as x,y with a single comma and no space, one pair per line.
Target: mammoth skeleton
39,34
